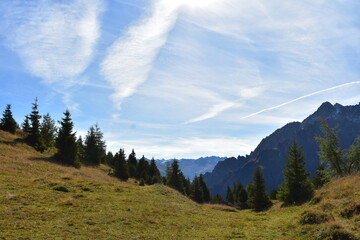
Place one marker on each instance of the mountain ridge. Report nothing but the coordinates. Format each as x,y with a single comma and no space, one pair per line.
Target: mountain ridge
271,153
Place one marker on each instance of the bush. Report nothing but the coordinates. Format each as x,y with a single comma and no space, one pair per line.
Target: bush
350,211
314,218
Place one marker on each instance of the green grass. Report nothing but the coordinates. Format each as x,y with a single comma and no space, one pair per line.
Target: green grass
40,199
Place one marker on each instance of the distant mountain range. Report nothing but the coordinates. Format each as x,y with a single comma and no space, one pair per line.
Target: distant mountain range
272,151
190,167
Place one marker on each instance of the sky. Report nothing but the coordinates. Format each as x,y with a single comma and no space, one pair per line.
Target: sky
179,78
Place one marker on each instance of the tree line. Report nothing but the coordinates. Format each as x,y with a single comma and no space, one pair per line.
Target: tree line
297,187
74,151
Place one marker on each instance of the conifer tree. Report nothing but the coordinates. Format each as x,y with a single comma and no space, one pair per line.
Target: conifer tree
122,169
175,177
205,190
7,122
143,170
94,147
48,131
81,148
197,193
353,156
258,199
132,163
25,126
34,138
321,176
66,142
218,199
297,187
230,196
154,172
110,159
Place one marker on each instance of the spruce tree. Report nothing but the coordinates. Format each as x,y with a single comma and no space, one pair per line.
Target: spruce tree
197,193
94,147
218,199
297,187
154,172
258,199
230,196
34,138
66,142
204,189
122,169
143,170
48,131
175,177
321,176
25,126
81,148
353,156
7,122
132,163
110,159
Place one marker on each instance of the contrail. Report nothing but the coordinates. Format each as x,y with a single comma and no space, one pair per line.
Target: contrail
300,98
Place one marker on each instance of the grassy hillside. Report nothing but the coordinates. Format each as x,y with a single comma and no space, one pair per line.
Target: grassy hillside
40,199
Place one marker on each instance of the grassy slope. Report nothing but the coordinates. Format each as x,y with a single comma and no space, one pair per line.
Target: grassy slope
98,206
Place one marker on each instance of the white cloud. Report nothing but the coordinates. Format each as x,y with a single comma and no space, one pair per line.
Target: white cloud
186,147
130,58
54,39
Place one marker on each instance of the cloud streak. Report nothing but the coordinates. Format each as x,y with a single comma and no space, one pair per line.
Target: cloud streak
54,40
130,59
300,98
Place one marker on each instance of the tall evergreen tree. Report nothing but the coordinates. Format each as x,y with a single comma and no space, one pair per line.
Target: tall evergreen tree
25,126
154,172
175,179
297,187
66,142
197,193
321,176
204,189
48,131
81,148
94,148
230,196
132,163
143,170
7,122
258,199
121,169
110,159
353,156
34,138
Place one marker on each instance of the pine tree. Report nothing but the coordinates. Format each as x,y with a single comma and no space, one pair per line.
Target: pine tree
66,142
258,199
321,176
297,187
204,189
175,177
218,199
132,163
122,169
34,138
143,170
110,159
154,172
197,193
25,126
48,131
230,196
94,148
8,123
81,148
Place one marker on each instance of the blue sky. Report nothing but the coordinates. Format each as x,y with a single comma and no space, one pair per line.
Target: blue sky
179,78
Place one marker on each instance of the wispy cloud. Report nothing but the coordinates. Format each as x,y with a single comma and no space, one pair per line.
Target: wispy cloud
55,40
130,58
300,98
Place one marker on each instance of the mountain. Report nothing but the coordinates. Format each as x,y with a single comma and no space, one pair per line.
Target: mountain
190,167
272,151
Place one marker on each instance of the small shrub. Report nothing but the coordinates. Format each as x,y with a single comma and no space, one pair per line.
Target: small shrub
61,189
314,218
142,182
350,211
335,232
315,200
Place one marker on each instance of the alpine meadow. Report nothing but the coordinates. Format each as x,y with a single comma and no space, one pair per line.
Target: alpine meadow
179,119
